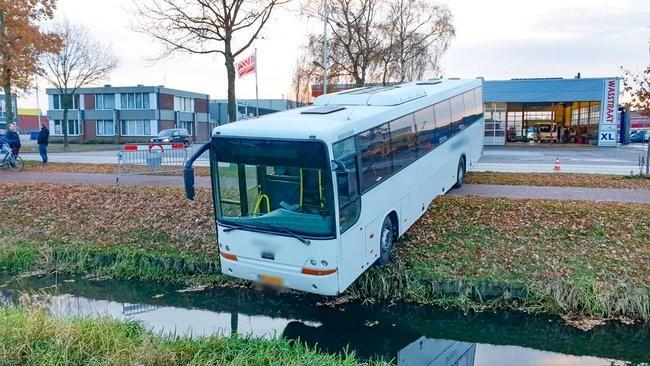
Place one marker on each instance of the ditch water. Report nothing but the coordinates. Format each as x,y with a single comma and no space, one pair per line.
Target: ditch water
408,334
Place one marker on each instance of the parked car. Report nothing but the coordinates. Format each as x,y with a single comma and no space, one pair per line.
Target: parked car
173,135
640,136
546,132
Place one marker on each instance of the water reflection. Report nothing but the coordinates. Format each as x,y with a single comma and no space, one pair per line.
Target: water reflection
407,334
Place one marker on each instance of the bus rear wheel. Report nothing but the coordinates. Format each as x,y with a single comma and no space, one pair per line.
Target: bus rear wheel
386,241
460,173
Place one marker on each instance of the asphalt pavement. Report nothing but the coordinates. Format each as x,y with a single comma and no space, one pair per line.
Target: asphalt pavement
524,158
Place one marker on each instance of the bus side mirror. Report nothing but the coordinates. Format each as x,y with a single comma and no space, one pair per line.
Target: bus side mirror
342,178
343,183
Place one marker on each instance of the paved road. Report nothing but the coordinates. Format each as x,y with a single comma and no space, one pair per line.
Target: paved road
511,158
482,190
527,158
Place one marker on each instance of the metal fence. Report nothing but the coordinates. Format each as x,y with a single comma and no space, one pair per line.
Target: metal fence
151,159
196,146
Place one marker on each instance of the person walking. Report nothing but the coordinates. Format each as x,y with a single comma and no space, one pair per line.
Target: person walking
14,140
42,140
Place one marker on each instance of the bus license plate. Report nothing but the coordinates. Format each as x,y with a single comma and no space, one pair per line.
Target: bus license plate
271,280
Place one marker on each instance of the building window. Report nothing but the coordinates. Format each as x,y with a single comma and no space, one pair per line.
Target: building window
57,101
134,100
184,104
594,114
539,115
105,128
73,127
188,125
136,127
104,101
495,120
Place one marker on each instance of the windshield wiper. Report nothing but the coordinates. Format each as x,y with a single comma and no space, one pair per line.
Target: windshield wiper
272,227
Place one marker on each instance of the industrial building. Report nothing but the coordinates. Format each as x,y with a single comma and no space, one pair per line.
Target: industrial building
583,109
129,114
247,108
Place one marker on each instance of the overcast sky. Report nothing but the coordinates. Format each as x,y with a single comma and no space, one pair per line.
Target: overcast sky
499,39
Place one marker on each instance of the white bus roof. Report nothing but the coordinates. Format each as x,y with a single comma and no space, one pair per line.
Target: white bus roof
335,116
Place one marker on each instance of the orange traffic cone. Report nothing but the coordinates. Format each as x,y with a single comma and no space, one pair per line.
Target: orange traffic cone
556,167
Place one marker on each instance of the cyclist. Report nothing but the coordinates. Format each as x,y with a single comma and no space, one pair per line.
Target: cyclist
14,139
5,147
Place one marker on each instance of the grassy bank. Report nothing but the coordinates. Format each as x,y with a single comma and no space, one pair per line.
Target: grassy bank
32,337
561,257
559,180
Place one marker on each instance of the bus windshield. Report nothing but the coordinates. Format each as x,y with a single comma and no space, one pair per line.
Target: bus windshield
273,185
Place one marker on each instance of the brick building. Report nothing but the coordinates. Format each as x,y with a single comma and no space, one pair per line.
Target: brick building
129,114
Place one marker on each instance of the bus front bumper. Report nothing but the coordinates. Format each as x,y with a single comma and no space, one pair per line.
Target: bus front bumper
280,275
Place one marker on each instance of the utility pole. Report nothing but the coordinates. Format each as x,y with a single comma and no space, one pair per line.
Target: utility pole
325,50
647,156
38,103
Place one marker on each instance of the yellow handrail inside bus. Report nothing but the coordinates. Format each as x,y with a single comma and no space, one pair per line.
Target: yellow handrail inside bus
320,187
258,202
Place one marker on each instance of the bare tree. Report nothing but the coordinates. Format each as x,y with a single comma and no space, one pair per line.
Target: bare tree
224,27
303,74
355,43
81,61
383,41
421,32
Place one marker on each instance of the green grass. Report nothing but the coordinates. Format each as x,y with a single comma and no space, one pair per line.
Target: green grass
554,256
127,262
30,336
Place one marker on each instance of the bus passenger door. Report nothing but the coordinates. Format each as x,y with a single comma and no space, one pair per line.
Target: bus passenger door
353,258
352,253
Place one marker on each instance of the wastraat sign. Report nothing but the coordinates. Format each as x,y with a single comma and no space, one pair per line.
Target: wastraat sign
607,135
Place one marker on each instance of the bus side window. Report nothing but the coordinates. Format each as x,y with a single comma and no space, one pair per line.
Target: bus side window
457,114
425,127
443,120
345,153
403,142
376,160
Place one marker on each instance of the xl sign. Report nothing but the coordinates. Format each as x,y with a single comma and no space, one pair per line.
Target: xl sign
607,135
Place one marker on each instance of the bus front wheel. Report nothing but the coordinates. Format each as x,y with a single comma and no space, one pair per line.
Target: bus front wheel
386,241
460,173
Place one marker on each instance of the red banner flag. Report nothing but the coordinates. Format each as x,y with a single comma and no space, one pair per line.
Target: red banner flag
247,66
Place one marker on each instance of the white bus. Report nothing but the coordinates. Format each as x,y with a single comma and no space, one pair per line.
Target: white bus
310,198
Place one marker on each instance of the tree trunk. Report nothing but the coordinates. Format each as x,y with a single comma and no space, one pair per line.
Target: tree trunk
230,69
6,86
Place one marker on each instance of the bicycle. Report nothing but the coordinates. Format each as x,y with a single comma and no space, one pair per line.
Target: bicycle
14,162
